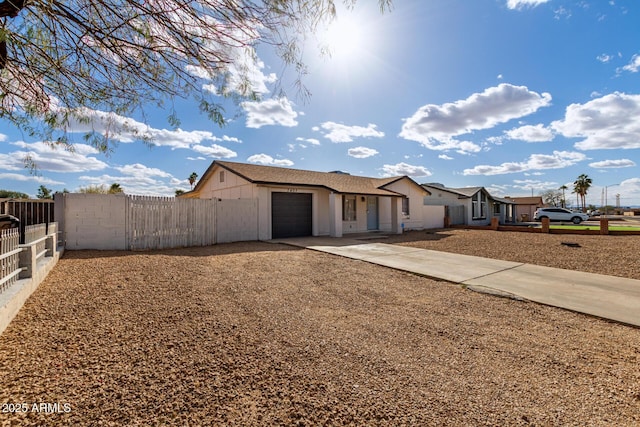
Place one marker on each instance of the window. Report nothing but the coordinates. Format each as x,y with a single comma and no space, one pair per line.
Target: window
496,208
221,176
405,206
348,208
479,205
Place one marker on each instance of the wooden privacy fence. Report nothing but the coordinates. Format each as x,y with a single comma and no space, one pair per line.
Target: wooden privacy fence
168,222
455,214
127,222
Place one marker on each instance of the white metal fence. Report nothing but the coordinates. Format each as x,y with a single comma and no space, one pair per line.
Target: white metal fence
20,260
36,235
9,257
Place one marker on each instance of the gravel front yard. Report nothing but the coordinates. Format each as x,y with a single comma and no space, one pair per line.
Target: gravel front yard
611,255
266,334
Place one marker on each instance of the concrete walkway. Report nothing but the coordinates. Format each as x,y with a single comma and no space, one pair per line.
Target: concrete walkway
609,297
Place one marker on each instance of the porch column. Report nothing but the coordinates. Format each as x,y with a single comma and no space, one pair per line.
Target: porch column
396,215
335,215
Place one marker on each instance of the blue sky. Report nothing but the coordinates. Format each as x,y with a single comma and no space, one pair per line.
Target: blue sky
519,96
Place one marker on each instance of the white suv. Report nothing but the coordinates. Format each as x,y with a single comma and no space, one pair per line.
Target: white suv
560,214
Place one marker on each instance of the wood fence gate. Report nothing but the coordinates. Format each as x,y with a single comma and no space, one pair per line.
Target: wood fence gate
455,214
169,222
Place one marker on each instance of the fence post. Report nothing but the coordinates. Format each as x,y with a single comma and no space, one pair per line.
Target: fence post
545,225
604,226
495,222
28,259
51,244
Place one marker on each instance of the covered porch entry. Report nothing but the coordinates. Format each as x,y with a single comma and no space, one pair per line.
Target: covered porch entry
361,213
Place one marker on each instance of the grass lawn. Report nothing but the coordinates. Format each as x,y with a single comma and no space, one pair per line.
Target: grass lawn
594,227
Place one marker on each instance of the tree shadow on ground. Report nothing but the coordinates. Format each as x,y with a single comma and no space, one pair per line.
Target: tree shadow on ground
195,251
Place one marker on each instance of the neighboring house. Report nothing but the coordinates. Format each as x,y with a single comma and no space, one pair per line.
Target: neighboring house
294,202
525,207
469,205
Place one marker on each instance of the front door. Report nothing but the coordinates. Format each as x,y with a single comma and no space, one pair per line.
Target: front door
372,213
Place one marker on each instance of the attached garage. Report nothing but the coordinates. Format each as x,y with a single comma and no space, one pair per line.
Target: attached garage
291,215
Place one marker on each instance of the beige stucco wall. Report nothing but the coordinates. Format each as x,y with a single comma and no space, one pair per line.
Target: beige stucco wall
236,187
233,187
415,220
443,198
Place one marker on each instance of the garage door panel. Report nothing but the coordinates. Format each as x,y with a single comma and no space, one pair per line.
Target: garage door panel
291,215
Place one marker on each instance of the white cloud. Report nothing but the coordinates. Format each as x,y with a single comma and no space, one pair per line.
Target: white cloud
337,132
630,188
179,138
362,152
536,186
214,150
605,164
140,184
243,73
141,171
604,58
311,141
126,130
557,160
435,126
445,157
405,169
606,123
37,178
270,112
265,159
3,137
634,65
226,138
520,4
50,158
537,133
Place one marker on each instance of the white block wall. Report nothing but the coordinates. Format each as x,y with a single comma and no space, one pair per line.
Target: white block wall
94,221
433,216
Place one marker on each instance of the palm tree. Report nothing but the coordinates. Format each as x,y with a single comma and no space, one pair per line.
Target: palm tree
581,185
192,179
563,202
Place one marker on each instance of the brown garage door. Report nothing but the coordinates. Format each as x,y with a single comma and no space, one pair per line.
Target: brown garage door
290,215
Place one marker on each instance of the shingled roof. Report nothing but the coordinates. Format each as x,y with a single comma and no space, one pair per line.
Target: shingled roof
336,182
464,192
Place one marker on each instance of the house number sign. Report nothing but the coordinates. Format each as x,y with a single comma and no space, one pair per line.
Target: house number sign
292,190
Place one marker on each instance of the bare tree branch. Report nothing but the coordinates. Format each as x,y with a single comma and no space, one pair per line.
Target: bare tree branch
59,58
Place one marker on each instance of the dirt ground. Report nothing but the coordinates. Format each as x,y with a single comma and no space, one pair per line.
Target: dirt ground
264,334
